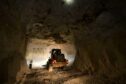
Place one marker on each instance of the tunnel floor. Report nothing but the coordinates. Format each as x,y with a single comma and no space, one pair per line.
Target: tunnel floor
57,76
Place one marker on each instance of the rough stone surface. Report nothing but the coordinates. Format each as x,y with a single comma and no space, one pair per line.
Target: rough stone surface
12,42
102,43
98,28
43,76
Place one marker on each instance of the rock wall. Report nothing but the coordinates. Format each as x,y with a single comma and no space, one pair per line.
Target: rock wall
100,43
12,42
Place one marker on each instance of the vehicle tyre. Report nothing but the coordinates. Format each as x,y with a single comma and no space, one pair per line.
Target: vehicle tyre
62,68
50,68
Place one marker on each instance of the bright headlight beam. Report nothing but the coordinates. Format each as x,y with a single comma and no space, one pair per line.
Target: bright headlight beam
68,1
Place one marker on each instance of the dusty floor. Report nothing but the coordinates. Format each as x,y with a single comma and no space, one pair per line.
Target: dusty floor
42,76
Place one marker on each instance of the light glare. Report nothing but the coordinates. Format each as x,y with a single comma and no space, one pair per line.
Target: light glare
69,1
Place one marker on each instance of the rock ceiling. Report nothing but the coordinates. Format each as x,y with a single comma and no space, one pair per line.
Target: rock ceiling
53,19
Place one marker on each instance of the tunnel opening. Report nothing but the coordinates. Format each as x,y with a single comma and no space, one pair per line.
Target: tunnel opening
39,51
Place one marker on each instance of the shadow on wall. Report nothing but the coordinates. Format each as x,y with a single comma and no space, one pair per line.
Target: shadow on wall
10,66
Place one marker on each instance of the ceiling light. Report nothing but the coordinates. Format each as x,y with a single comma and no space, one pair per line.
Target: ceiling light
69,1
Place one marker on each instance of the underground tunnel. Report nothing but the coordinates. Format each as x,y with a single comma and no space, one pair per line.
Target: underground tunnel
90,33
39,52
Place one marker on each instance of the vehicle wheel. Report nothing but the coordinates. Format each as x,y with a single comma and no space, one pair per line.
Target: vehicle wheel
62,67
50,68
